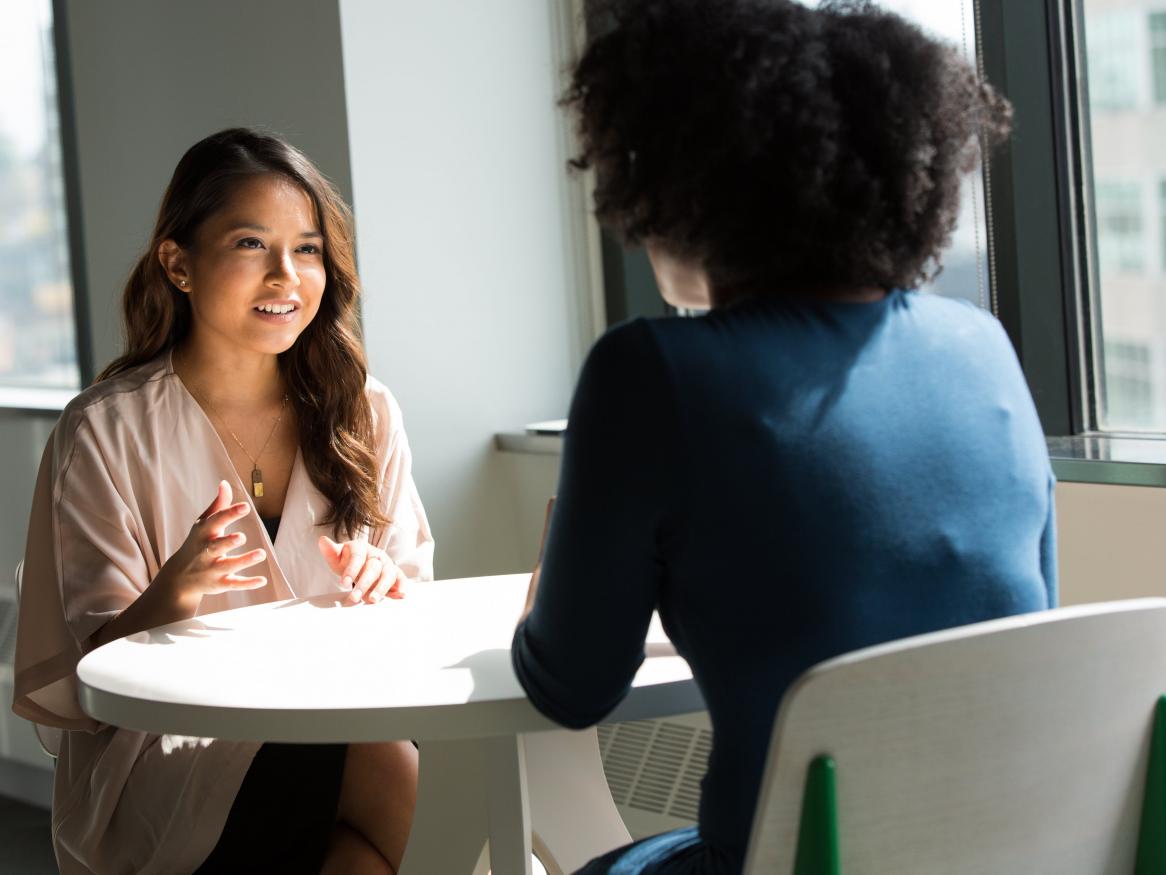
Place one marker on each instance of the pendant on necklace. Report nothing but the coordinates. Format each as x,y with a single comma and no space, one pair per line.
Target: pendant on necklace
257,482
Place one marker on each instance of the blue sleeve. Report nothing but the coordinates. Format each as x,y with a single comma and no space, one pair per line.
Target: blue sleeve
1048,547
577,652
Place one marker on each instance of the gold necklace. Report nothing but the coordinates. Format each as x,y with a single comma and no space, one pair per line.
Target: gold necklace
256,472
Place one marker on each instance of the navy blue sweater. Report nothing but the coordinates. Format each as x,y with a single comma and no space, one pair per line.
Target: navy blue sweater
784,482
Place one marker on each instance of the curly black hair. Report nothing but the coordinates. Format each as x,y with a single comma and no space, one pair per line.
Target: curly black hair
785,149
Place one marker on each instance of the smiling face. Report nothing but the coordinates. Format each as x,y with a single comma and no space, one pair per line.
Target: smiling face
254,273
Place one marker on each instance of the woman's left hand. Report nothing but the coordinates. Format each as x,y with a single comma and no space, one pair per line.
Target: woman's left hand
367,569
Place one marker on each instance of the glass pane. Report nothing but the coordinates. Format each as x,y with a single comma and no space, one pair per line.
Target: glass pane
965,261
37,342
1125,60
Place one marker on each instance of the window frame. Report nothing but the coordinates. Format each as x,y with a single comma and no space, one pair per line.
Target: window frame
82,330
1042,245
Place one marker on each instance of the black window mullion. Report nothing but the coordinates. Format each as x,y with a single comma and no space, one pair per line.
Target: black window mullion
1035,207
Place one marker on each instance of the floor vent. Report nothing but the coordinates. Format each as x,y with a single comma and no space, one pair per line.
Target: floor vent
655,765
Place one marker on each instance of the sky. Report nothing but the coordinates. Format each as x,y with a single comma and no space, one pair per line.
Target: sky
941,18
22,98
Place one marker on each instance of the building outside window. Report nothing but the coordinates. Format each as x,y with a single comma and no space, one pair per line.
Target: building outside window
1129,384
1121,238
1158,54
1125,52
38,344
1113,33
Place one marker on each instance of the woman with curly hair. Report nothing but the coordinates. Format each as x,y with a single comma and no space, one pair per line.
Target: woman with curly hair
243,378
828,459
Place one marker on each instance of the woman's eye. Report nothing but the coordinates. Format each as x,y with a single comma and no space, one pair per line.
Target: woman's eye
309,249
250,243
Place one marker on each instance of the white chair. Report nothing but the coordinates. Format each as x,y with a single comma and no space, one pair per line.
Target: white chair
1020,745
49,737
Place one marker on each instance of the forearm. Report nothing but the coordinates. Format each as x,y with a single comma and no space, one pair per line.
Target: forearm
531,593
160,604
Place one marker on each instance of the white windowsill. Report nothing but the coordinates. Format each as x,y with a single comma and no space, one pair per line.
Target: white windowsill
28,400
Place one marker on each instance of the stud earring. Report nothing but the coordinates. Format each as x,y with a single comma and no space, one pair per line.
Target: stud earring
182,283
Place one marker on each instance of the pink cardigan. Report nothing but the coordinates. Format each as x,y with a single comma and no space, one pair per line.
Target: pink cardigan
128,468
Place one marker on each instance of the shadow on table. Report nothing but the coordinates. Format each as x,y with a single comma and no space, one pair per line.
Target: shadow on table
198,628
168,634
328,600
492,674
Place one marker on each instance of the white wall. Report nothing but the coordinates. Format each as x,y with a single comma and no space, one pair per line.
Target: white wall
1111,542
469,252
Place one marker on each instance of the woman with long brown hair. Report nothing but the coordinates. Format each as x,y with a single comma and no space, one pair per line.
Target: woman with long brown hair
243,368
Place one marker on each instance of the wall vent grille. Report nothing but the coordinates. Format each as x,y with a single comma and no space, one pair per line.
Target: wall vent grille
7,632
655,765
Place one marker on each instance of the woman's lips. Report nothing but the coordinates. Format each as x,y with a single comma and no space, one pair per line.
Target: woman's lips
276,318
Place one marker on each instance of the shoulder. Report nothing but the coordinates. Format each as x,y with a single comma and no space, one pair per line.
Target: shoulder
953,315
106,422
628,348
387,418
626,377
950,332
124,400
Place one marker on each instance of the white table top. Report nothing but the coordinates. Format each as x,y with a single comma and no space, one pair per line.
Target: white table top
432,666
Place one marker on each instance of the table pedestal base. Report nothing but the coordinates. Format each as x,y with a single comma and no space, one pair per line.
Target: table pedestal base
544,791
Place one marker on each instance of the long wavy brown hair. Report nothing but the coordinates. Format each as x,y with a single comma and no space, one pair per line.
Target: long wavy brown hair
325,369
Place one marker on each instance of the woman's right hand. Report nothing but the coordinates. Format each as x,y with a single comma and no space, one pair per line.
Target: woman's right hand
203,564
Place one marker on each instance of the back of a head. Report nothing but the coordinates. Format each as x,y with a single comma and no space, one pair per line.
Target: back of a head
784,148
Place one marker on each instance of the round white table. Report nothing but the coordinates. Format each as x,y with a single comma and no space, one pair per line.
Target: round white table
433,667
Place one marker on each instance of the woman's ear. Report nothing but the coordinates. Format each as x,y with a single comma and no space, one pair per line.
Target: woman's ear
173,260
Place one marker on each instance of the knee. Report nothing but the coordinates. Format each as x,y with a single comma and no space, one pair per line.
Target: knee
386,762
350,853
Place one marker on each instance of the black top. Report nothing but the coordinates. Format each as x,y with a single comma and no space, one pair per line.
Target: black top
784,482
271,523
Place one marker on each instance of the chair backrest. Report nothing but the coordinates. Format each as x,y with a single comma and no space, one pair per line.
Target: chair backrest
49,737
1015,745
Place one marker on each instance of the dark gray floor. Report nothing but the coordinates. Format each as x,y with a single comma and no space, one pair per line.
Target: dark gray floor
25,845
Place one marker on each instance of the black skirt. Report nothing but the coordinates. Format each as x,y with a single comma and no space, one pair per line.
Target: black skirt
283,817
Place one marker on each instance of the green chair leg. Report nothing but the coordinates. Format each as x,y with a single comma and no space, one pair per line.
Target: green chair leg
818,831
1151,858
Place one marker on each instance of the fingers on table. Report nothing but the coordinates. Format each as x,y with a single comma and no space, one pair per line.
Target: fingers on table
353,558
397,590
364,586
385,583
333,553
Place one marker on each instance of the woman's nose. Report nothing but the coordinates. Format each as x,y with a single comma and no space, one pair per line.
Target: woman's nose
283,271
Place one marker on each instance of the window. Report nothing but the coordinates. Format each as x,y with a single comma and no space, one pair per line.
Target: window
1162,225
1126,56
965,263
1158,54
1114,65
38,346
1120,234
1129,385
